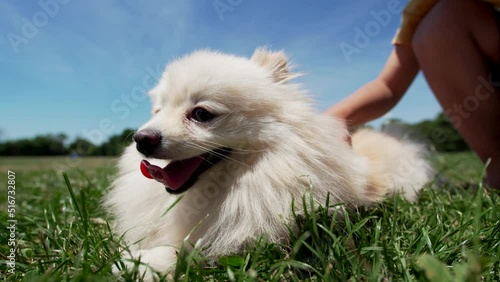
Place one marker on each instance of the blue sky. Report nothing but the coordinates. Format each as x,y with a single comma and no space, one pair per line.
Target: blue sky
66,64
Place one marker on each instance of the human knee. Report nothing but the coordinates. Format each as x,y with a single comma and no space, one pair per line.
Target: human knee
437,29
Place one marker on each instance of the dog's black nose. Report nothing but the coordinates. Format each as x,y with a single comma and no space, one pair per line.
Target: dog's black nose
147,141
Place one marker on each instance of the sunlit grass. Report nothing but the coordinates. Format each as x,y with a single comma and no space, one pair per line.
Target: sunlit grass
450,234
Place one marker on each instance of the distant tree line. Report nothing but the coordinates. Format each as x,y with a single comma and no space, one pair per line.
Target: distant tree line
55,144
438,133
441,134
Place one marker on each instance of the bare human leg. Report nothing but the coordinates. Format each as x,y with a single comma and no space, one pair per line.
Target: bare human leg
456,45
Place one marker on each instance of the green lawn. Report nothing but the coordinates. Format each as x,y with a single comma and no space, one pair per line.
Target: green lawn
451,234
23,164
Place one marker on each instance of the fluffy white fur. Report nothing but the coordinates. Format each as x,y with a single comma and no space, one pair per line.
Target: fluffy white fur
281,147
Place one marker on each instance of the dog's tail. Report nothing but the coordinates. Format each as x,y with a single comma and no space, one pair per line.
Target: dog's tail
395,165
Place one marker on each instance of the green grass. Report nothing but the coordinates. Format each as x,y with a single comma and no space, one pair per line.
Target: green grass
24,164
450,234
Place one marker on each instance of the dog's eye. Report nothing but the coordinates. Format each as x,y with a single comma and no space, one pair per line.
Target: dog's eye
201,115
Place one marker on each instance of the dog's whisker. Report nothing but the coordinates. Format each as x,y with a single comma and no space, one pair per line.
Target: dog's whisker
235,149
229,158
225,116
222,156
196,147
128,135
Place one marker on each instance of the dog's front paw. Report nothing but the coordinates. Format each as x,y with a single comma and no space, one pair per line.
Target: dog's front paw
149,263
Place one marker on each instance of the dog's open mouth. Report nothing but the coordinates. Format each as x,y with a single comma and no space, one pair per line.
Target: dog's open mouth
178,176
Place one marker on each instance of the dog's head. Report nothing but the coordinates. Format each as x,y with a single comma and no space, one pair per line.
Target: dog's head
207,104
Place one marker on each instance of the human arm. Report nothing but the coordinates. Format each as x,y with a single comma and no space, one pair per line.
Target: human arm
377,97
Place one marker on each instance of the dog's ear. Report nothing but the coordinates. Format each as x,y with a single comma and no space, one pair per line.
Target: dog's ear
276,62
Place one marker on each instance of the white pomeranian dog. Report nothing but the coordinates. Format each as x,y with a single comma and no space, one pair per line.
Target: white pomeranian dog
230,144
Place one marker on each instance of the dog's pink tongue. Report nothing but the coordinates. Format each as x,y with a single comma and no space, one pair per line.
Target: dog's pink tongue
174,175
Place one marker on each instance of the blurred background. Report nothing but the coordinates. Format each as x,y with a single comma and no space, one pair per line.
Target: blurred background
75,74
